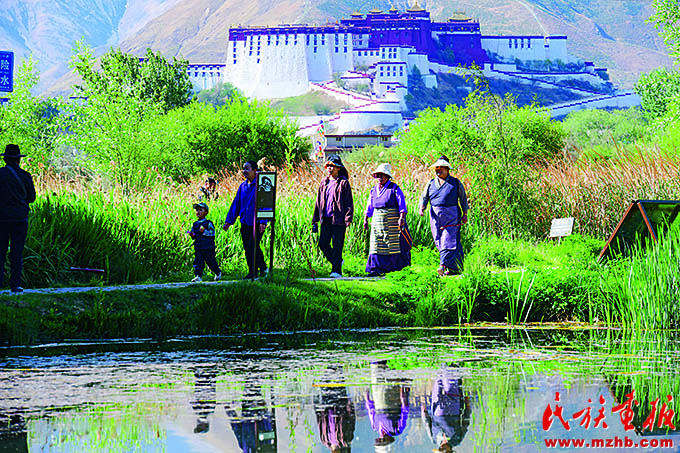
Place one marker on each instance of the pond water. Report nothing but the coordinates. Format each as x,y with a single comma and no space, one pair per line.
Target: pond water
406,390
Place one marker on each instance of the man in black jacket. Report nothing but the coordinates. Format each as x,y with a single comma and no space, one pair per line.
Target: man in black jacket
16,192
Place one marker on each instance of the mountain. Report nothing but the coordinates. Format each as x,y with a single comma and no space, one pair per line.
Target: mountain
48,29
611,34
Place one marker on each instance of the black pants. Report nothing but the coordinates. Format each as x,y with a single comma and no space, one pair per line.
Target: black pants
203,257
247,238
14,234
336,235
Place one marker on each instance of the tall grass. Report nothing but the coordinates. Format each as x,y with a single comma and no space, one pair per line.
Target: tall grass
597,192
644,291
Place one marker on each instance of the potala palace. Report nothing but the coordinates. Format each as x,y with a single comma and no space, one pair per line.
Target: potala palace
366,60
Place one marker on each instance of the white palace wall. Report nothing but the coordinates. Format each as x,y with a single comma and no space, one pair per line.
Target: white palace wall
274,71
529,47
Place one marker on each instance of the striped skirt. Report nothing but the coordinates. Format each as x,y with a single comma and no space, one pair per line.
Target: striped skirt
385,232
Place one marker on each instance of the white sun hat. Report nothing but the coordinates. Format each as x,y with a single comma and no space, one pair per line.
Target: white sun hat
440,163
385,169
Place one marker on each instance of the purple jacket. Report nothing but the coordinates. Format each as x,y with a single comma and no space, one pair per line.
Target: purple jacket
343,203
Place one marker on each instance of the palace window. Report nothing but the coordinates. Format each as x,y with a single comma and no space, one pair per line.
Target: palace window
315,49
336,50
307,39
258,61
345,49
509,43
528,43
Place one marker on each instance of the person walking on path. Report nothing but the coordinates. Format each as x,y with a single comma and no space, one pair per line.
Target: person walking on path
203,234
390,246
243,206
334,208
448,211
16,193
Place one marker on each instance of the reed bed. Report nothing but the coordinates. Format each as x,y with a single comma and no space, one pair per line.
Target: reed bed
597,192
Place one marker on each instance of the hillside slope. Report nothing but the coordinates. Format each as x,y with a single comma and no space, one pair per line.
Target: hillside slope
611,34
48,29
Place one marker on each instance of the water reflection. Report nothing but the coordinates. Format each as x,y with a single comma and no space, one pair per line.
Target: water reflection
255,427
13,436
335,415
446,412
387,403
204,394
398,391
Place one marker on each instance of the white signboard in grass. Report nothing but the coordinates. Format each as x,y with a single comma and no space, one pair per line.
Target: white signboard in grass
561,227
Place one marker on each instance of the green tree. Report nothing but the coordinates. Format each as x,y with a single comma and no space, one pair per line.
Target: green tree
666,19
500,144
117,100
218,95
151,78
657,89
202,138
30,121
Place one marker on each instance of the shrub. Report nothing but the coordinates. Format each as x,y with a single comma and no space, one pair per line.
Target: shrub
589,128
657,89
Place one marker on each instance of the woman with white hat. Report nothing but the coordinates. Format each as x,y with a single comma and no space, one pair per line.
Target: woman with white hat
448,211
390,247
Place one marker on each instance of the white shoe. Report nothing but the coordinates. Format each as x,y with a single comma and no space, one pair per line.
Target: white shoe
218,277
196,279
335,275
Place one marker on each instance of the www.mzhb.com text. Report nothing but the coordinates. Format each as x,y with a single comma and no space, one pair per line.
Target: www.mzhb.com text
614,442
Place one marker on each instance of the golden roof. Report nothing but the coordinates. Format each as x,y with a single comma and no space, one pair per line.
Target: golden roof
375,11
459,16
393,9
357,14
415,7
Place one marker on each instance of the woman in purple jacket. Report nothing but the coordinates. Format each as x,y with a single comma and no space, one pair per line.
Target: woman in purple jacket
390,246
334,208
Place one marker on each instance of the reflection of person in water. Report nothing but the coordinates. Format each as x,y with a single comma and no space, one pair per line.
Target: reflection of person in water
204,397
448,414
255,429
335,414
13,434
387,404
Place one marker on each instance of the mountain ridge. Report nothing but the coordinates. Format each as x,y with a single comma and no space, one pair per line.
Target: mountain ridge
611,34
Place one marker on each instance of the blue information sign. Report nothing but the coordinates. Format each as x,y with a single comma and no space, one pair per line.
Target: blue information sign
6,71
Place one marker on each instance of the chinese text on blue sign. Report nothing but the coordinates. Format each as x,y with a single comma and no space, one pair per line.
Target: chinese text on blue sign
6,71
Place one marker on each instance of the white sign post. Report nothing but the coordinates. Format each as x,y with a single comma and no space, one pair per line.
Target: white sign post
561,227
